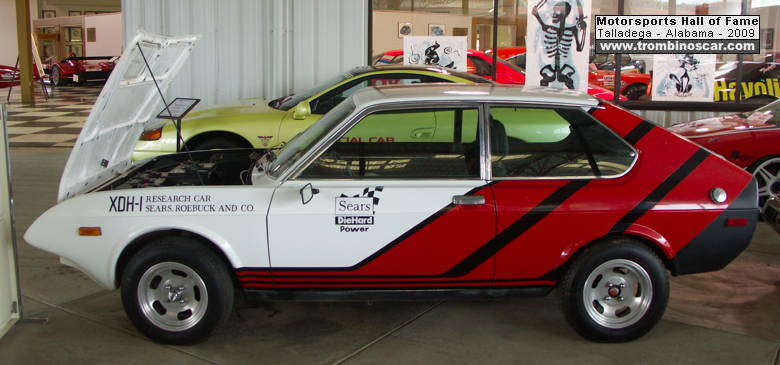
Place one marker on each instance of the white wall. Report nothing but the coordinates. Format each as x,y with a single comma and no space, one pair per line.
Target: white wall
253,48
109,34
8,33
8,42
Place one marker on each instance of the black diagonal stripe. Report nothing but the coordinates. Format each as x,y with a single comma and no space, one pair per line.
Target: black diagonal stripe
639,131
660,191
516,229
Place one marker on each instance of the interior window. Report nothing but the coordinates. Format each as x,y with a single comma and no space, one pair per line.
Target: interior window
536,142
327,101
430,143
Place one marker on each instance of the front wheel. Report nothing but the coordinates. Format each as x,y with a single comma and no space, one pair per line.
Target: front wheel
177,291
615,291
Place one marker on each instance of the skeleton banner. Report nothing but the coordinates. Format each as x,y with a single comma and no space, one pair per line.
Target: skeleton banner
443,51
558,43
683,77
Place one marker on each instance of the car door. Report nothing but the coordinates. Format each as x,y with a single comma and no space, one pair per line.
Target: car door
386,213
558,183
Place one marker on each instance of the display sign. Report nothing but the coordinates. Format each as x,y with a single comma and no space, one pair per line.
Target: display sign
450,52
683,77
178,108
558,43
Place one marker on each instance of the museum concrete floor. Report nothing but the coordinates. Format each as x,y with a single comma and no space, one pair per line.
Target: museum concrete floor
726,317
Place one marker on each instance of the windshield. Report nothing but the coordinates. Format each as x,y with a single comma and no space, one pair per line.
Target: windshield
297,146
512,66
772,108
287,102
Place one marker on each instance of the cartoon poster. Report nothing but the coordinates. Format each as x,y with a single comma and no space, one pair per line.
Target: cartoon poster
558,43
443,51
683,77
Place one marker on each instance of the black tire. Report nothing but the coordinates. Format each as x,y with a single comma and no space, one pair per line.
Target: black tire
166,261
635,91
56,77
586,278
218,143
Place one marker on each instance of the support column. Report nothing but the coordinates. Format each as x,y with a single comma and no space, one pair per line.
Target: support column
25,50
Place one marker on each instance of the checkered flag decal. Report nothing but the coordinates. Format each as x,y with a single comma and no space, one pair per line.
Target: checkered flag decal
367,192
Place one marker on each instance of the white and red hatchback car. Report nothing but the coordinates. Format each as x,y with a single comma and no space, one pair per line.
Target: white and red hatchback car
398,192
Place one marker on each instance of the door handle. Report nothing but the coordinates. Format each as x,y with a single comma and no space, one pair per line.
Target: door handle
422,133
468,200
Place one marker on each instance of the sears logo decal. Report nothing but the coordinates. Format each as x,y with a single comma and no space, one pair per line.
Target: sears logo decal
355,213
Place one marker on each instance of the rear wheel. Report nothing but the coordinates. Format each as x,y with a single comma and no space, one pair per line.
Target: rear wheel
177,291
615,291
635,91
767,174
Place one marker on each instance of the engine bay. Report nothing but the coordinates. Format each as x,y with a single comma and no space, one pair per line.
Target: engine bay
200,168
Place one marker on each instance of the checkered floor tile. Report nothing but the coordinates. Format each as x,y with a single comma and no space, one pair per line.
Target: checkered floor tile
55,122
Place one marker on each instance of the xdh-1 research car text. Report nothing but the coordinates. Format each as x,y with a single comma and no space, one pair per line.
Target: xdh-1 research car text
473,206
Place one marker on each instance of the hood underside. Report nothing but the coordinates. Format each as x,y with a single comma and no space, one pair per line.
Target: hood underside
128,102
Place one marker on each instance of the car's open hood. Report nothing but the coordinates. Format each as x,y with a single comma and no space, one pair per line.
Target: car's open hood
128,102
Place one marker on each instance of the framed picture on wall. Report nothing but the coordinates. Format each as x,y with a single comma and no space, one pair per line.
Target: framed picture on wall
75,49
46,14
74,12
89,12
74,34
436,30
404,29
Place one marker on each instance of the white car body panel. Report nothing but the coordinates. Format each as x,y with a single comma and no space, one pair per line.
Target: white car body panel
239,231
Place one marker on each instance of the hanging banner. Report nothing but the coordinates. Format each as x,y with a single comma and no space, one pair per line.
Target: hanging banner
683,77
558,43
450,52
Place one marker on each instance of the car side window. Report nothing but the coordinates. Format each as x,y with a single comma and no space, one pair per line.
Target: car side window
429,143
329,100
539,142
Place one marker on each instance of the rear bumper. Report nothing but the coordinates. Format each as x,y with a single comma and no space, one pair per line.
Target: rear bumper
721,242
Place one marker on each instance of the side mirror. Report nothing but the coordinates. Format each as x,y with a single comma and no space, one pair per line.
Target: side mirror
302,110
307,193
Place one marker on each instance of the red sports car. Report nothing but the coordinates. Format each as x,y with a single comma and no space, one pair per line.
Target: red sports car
79,70
480,63
750,140
9,76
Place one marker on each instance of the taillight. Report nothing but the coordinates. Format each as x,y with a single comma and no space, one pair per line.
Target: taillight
152,135
736,222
